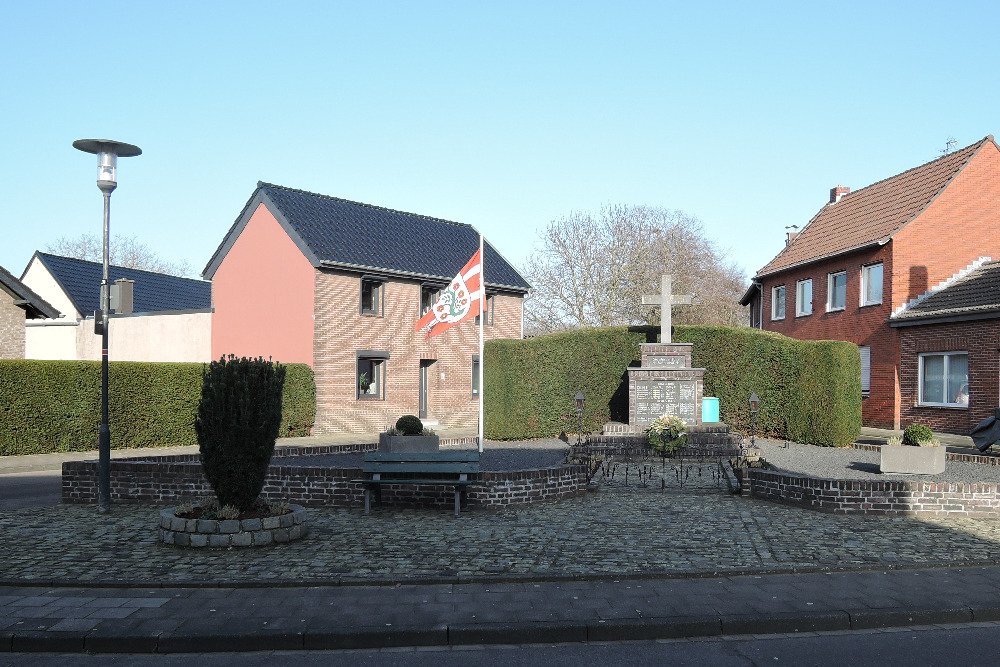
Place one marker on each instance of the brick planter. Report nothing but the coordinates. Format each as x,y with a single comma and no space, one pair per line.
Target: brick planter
200,533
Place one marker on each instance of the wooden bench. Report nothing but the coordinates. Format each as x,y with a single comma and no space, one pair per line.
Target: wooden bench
449,468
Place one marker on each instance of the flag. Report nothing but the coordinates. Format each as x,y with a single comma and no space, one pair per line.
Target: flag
458,302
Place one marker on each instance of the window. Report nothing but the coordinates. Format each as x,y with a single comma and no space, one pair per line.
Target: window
804,297
428,297
866,369
489,311
778,302
836,293
475,376
944,379
871,284
370,378
371,296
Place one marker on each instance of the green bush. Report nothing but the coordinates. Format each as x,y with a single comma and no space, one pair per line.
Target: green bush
810,390
55,406
409,425
914,434
239,416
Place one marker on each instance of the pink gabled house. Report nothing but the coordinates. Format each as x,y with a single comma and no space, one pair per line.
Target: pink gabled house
338,285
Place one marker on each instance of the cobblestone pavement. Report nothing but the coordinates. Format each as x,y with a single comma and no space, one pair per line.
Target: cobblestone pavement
617,531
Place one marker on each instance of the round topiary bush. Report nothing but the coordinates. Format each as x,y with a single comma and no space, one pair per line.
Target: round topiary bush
915,434
409,425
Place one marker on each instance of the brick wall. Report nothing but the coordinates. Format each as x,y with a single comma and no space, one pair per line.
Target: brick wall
341,330
861,325
981,339
11,328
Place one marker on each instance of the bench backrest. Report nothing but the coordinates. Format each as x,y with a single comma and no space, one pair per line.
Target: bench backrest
461,462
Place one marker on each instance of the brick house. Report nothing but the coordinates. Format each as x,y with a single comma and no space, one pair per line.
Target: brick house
18,303
307,278
169,319
867,254
950,352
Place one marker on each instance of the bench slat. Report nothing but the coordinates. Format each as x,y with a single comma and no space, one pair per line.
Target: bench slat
427,468
441,482
463,456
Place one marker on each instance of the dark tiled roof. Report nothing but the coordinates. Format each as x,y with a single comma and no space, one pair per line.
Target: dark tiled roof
153,292
34,306
339,233
975,294
872,214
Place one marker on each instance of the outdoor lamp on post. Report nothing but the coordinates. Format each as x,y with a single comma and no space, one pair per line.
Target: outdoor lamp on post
107,153
580,400
754,404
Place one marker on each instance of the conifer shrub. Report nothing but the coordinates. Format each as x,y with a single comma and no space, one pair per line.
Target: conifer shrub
409,425
239,417
914,434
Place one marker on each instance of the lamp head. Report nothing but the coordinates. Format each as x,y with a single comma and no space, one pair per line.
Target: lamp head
754,402
107,153
580,400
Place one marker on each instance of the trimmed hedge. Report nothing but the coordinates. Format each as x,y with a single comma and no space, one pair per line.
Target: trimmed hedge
810,390
55,406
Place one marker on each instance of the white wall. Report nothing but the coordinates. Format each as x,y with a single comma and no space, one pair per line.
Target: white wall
51,339
42,283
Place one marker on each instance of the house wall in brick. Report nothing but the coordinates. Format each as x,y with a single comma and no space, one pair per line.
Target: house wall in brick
981,339
341,331
263,296
11,328
861,325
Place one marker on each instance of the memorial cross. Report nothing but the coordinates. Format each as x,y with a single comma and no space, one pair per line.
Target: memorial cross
665,300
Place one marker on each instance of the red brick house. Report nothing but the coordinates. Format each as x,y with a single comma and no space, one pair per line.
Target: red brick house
307,278
950,352
867,254
17,303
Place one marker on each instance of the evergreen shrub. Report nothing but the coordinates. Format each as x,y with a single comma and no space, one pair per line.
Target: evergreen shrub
239,417
914,434
409,425
55,406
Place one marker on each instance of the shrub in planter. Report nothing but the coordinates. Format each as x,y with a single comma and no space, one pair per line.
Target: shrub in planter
238,420
409,425
915,434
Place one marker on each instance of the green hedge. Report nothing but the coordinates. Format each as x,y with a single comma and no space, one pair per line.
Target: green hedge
55,406
809,390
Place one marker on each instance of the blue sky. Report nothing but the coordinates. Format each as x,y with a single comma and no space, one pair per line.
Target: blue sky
501,115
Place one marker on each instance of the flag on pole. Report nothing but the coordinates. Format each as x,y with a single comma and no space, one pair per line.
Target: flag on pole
458,302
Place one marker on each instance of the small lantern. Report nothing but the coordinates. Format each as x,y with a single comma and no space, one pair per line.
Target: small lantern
580,400
107,153
754,402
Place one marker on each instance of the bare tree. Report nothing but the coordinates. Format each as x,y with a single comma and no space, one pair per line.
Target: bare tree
592,270
124,251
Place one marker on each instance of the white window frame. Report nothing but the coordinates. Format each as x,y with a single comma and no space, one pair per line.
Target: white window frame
800,306
947,361
866,369
774,302
830,283
866,279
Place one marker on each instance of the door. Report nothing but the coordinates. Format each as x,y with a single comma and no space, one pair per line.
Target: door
425,365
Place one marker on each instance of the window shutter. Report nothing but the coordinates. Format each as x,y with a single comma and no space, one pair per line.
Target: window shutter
866,368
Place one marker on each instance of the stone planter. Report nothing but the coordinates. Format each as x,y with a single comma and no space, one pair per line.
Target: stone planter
907,460
232,532
408,443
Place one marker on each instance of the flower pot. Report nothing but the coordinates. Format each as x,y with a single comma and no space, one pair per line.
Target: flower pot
905,460
408,443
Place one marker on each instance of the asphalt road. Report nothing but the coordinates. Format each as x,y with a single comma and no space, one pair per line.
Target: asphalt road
954,645
30,489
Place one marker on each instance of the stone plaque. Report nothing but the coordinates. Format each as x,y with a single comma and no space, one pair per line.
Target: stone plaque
664,361
657,397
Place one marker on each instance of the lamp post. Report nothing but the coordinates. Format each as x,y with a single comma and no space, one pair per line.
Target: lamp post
754,404
107,153
580,400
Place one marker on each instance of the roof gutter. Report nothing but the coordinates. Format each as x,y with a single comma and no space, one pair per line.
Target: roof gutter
990,314
839,253
379,271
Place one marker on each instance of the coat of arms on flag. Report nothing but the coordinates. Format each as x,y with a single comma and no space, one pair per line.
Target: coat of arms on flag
459,301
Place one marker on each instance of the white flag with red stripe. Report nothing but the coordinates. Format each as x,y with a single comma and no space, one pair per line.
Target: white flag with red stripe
458,302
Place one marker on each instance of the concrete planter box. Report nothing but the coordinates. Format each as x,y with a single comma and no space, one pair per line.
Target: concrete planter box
398,444
907,460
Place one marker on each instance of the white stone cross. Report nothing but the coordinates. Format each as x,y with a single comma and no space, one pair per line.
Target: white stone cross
665,300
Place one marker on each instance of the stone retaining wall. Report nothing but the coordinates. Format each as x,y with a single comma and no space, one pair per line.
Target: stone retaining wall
166,480
892,497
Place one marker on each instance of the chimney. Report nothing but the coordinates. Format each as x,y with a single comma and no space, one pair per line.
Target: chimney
838,192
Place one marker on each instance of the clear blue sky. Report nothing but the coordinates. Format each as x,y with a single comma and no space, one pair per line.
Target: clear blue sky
501,115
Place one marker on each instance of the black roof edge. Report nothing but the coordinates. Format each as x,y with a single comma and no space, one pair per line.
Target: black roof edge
55,276
379,272
747,296
834,255
25,297
992,313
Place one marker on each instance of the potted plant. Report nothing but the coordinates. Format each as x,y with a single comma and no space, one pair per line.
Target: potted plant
408,435
666,434
915,453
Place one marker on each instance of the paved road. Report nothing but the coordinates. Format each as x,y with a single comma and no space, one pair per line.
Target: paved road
29,489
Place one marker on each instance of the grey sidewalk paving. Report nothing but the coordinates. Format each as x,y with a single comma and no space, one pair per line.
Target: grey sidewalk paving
143,620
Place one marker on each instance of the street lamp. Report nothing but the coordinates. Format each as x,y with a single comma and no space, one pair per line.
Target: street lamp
580,400
107,153
754,404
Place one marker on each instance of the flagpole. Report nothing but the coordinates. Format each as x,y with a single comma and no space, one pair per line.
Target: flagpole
482,361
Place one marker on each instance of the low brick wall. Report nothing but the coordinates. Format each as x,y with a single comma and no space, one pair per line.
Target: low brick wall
167,480
893,498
